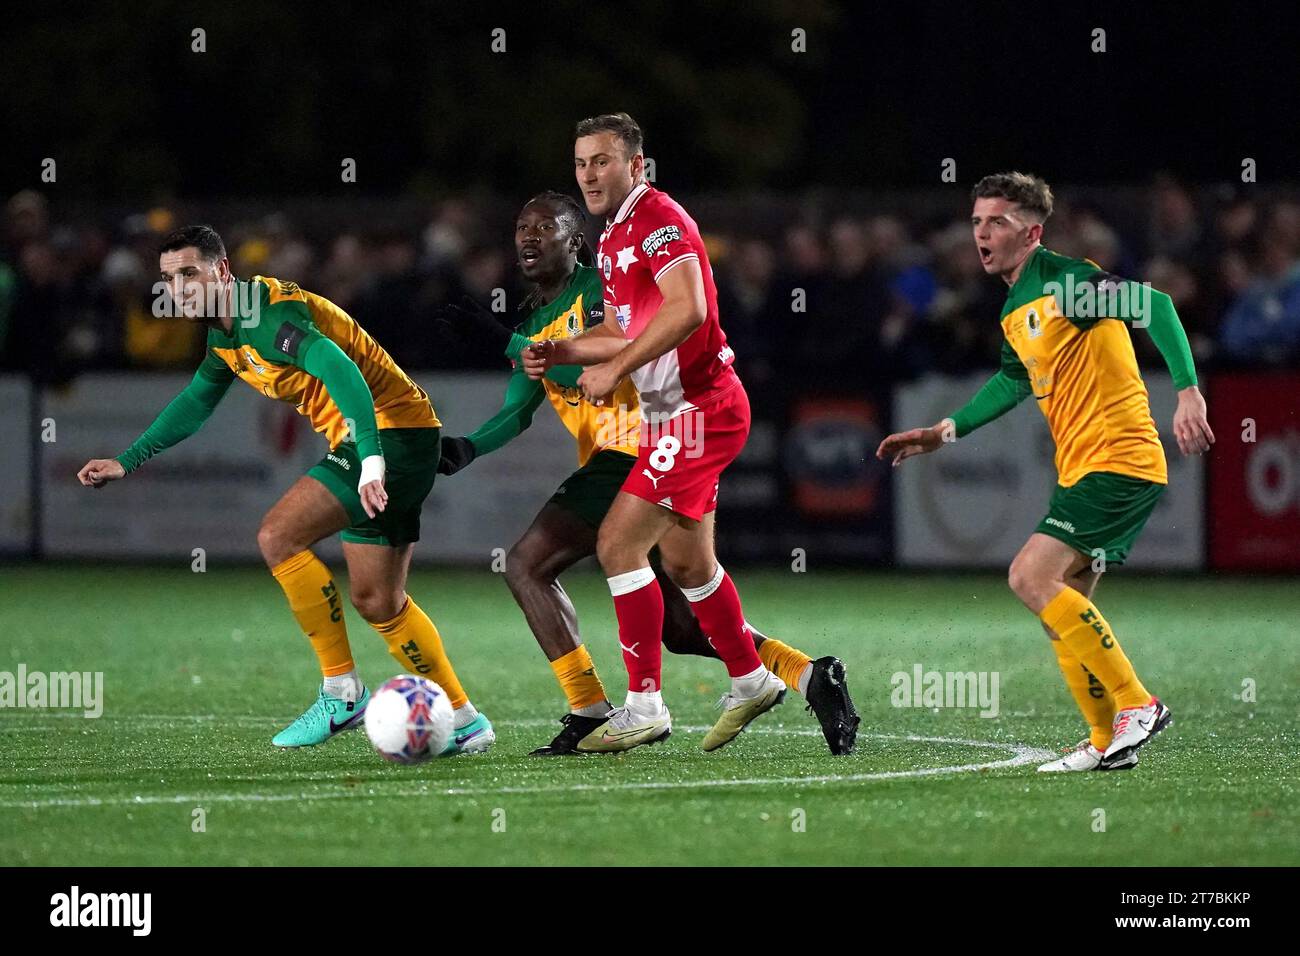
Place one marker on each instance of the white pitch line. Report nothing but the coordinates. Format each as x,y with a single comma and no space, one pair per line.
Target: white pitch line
1021,755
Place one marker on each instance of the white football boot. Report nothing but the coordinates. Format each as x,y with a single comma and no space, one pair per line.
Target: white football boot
1133,727
738,712
1085,757
624,729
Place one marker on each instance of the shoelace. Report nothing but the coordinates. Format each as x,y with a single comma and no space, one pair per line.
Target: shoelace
1121,724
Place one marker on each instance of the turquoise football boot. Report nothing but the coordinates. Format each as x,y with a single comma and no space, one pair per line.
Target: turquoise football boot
474,738
322,720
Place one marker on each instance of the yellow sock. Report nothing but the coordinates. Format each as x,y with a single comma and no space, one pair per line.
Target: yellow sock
1089,695
316,603
415,643
1082,629
784,661
577,676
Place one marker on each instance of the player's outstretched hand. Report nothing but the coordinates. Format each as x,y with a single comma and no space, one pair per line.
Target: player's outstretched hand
99,471
373,497
903,445
538,357
1191,427
456,454
598,382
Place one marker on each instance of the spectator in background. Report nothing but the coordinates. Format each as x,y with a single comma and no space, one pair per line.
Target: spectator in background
1263,325
387,306
752,306
838,342
1174,229
345,272
963,327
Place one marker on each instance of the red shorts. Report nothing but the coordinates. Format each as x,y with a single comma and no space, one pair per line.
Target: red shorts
680,461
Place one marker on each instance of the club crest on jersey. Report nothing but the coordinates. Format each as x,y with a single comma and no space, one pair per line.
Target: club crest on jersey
573,322
660,237
606,266
624,315
1033,324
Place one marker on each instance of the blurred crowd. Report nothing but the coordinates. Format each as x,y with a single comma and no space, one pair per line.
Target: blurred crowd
838,298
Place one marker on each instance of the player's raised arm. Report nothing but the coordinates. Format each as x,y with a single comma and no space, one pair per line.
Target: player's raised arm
183,416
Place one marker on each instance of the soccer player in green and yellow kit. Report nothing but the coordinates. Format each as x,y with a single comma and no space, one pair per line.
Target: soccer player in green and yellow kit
1066,343
384,441
566,300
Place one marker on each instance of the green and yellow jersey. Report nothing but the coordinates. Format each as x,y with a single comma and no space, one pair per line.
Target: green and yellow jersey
299,348
617,428
291,316
1079,365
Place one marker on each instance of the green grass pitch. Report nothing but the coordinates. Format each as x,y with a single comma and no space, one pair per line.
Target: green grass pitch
201,669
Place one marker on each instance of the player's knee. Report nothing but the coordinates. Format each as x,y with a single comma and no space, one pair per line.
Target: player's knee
276,546
1027,582
1020,578
522,568
377,604
610,552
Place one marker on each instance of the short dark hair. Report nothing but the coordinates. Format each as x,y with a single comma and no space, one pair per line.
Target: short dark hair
620,124
203,238
1026,190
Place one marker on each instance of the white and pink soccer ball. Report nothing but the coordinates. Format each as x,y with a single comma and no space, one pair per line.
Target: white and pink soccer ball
409,719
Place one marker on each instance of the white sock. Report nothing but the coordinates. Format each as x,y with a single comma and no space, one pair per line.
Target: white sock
599,709
749,685
630,581
464,715
804,677
344,686
648,703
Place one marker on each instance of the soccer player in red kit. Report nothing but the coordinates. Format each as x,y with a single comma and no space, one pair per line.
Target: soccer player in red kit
661,328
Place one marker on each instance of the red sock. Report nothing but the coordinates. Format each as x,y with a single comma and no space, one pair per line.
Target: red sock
639,604
717,608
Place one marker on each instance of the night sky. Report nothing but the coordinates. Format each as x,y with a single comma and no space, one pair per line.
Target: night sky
417,96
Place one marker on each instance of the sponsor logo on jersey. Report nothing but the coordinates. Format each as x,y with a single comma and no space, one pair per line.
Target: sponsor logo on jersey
660,237
726,354
1033,324
288,338
249,355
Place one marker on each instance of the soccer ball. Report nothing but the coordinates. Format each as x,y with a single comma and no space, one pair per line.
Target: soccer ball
409,719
